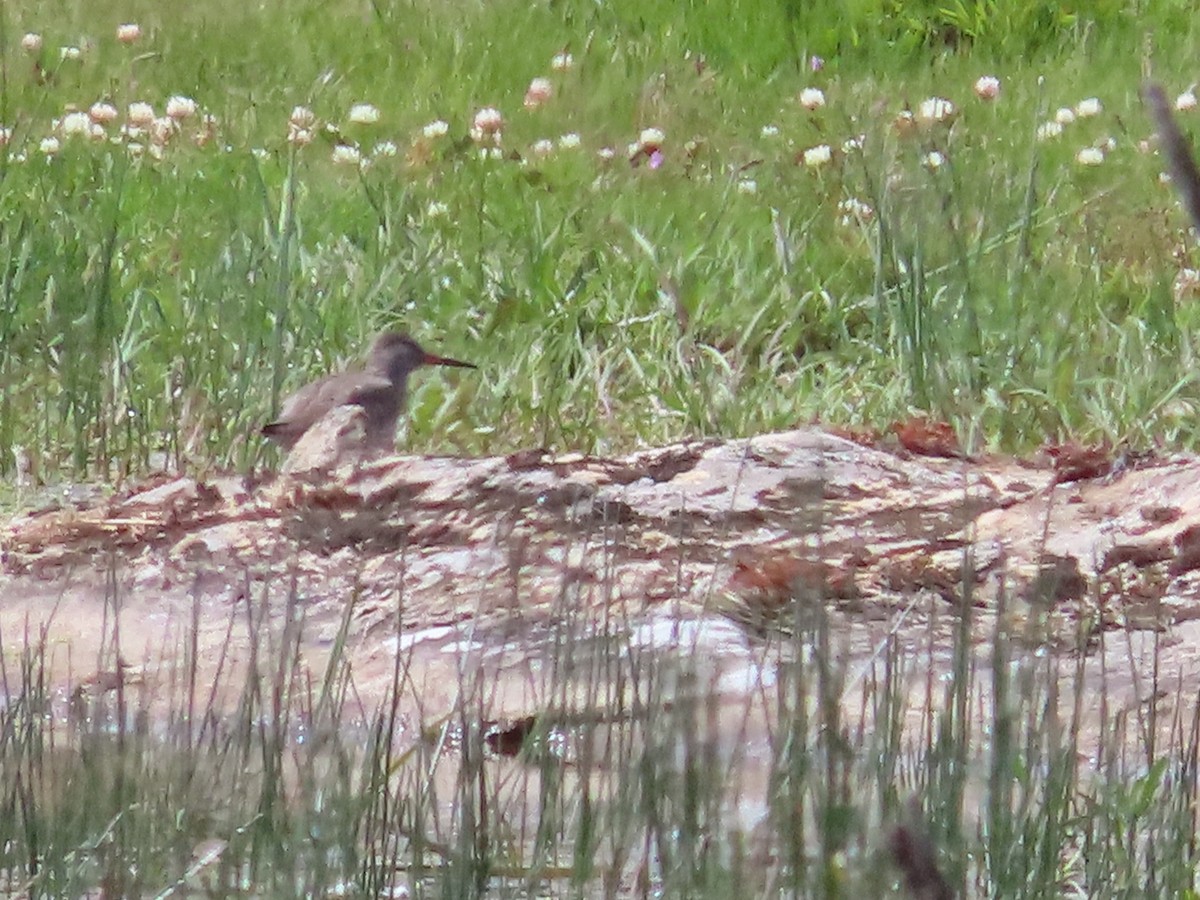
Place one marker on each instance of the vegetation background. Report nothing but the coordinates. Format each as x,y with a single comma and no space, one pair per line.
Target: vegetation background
693,263
157,299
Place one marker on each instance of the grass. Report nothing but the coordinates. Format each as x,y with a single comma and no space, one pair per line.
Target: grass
153,310
640,775
157,308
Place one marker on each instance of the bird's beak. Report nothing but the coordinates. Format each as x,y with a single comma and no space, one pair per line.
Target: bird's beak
432,360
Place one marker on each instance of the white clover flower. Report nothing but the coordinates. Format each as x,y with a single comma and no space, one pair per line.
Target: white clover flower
32,43
936,109
544,147
1085,109
50,146
363,114
561,62
299,137
493,153
933,160
75,123
1064,115
140,114
385,148
179,107
855,210
346,155
102,112
96,132
651,139
486,125
818,156
129,32
162,130
1186,285
987,87
770,131
1186,101
74,54
854,144
606,154
5,136
569,141
747,186
436,208
302,117
812,98
905,122
489,120
539,91
1049,130
436,129
1090,156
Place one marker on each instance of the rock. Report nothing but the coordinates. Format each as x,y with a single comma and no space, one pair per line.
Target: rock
336,441
769,517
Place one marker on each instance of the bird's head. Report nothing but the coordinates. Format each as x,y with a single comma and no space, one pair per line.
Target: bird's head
395,355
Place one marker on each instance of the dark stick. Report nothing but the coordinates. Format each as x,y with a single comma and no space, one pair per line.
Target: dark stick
911,848
1181,165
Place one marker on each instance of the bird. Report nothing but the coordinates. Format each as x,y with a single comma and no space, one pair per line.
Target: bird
380,389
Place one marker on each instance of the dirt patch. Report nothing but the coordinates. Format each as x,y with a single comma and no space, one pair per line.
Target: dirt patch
476,564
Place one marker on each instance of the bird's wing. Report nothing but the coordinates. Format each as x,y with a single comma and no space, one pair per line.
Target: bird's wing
309,404
368,388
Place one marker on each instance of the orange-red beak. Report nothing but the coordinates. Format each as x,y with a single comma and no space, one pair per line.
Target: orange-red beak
432,360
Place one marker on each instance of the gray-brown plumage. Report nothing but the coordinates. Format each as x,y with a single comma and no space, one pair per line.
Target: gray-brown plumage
380,388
